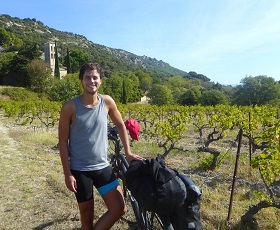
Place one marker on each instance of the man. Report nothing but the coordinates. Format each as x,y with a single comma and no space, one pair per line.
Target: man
83,149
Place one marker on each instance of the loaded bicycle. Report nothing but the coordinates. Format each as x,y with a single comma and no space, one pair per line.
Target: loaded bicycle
139,219
137,216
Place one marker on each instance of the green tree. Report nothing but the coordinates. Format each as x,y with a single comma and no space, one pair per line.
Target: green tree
66,88
177,85
229,91
17,73
9,41
77,59
30,52
68,65
114,86
4,37
56,67
191,96
213,97
194,75
40,76
132,83
160,95
145,80
124,94
258,90
5,59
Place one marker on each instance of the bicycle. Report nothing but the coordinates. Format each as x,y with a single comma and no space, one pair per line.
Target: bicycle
142,219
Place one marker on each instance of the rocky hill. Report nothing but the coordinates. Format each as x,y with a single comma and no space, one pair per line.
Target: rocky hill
33,31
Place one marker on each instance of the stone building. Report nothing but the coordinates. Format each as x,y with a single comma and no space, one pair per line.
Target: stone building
49,50
49,55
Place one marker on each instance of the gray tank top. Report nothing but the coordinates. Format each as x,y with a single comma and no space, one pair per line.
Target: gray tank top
88,140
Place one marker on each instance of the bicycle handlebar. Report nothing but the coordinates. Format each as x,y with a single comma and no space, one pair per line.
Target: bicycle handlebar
113,135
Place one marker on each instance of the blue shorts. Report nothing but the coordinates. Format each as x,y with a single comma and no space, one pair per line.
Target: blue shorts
103,180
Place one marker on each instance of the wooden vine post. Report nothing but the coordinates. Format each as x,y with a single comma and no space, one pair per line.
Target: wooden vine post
235,172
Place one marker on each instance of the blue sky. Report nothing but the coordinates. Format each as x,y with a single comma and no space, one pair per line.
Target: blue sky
226,40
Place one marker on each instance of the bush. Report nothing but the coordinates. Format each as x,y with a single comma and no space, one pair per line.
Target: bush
20,94
66,88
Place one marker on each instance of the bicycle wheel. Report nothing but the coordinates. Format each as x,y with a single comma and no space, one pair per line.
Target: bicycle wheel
141,219
152,221
132,215
132,204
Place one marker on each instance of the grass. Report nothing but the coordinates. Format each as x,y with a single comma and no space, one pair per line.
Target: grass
33,194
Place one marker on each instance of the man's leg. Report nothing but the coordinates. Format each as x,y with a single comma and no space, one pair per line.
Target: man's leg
84,197
86,214
116,208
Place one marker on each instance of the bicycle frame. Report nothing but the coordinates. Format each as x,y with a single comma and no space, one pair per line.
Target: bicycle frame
120,166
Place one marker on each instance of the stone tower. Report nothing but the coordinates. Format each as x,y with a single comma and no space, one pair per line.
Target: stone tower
49,50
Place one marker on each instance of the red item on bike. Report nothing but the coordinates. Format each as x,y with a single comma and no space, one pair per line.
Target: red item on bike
133,128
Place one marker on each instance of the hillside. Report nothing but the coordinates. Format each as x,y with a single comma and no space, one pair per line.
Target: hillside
33,31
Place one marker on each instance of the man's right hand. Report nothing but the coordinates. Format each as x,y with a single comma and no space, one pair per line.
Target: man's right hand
71,183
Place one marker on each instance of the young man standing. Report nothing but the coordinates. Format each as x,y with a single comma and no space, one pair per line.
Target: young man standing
83,149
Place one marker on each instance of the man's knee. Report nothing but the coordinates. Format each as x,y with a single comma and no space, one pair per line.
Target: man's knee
118,211
87,207
115,202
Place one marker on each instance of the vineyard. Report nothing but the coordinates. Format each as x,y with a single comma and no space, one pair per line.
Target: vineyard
208,138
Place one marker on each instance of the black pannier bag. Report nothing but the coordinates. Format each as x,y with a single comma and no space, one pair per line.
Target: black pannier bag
155,186
188,215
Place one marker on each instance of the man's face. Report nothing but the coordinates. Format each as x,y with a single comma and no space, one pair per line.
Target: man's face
91,81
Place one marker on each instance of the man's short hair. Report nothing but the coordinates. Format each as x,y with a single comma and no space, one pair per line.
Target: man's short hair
90,66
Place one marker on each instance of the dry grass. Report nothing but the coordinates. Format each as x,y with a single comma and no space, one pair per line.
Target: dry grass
33,194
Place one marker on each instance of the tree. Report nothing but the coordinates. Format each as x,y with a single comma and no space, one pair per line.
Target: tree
9,41
191,96
40,76
213,97
229,91
17,73
145,80
5,59
192,75
66,88
30,52
4,37
114,86
56,67
258,90
68,65
133,90
160,95
77,59
124,95
177,85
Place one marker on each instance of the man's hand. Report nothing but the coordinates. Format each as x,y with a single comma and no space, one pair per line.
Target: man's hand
131,157
71,183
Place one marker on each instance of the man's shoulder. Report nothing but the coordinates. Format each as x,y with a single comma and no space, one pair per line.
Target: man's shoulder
69,104
106,98
109,102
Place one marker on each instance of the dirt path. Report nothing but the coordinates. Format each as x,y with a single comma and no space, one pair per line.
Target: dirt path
20,179
12,177
8,144
32,195
9,155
